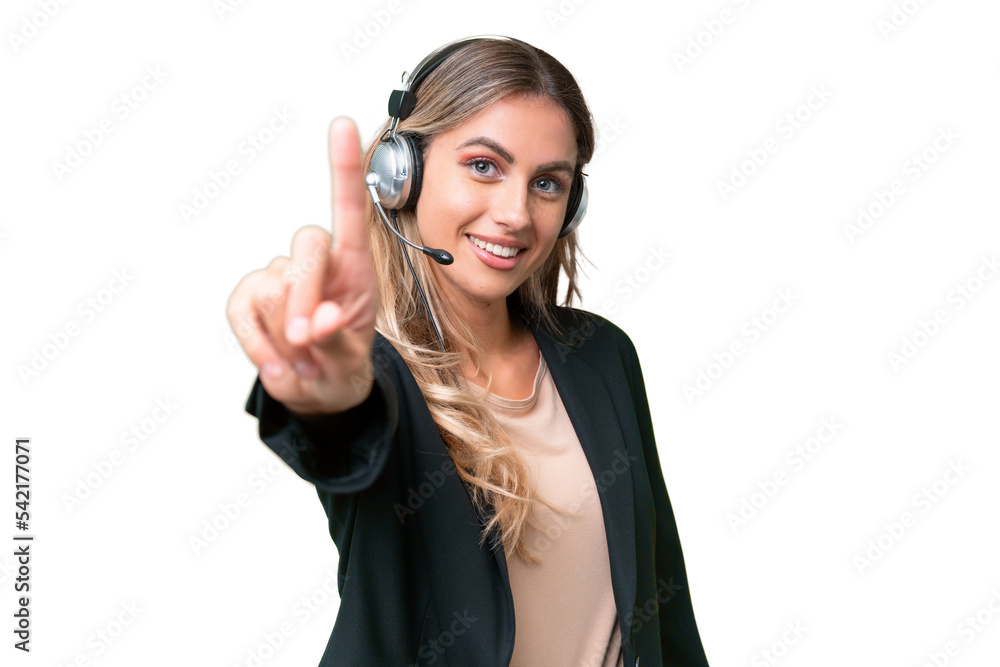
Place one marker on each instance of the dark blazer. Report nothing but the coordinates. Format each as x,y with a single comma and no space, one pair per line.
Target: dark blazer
416,587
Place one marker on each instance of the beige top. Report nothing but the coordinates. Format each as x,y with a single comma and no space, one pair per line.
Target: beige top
564,607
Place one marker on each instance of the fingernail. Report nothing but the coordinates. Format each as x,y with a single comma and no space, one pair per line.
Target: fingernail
272,369
306,369
297,330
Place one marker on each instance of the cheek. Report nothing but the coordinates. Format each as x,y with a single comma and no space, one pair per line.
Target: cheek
547,227
544,257
447,207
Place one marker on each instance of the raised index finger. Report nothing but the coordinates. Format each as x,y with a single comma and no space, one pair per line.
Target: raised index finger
349,192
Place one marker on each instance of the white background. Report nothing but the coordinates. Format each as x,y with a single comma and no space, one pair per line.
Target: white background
672,132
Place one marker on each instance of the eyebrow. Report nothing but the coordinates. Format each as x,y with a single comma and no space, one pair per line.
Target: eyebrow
558,165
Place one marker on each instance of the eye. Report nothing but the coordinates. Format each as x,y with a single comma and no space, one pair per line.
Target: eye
550,185
482,166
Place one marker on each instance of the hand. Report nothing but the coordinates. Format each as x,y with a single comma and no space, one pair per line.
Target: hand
308,322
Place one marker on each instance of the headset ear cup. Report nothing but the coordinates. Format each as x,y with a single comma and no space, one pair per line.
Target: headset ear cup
392,165
577,206
414,148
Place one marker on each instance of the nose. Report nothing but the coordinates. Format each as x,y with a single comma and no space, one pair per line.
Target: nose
510,205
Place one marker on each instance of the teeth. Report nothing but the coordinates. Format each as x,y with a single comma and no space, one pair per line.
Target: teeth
498,250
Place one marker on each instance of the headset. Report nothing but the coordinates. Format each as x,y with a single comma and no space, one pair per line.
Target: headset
396,168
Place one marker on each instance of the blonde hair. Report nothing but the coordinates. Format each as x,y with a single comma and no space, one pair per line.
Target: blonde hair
462,86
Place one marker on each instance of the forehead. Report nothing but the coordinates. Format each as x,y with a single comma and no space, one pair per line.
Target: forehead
532,129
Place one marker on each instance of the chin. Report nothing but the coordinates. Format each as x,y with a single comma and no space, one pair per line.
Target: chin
499,296
490,293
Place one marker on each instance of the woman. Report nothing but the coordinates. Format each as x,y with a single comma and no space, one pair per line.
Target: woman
485,456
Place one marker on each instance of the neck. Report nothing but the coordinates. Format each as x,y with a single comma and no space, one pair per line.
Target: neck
497,330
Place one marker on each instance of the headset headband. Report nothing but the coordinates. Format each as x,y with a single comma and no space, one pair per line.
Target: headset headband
401,102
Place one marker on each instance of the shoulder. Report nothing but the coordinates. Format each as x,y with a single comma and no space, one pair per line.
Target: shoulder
578,327
388,363
581,332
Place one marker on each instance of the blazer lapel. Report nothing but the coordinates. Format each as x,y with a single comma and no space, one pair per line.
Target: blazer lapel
592,411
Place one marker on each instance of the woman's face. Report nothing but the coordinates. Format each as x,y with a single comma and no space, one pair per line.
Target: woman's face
499,180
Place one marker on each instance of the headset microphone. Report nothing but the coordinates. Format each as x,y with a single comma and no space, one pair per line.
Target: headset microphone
438,255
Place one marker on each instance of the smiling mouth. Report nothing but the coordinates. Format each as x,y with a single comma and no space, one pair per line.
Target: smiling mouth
498,250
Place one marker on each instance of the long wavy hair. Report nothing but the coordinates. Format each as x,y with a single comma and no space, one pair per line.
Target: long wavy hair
461,87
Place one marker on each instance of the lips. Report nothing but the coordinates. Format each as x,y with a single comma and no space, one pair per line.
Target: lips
490,257
496,248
